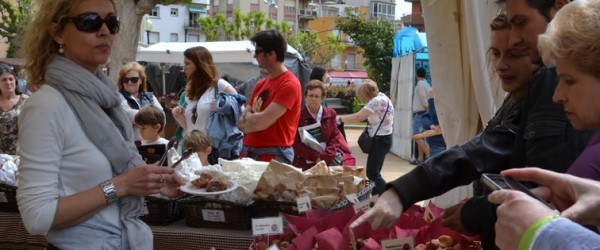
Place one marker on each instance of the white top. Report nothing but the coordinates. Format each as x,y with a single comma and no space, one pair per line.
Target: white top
159,141
202,106
58,159
419,103
377,107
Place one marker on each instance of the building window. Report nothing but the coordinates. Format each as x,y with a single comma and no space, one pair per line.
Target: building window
383,11
174,37
193,38
174,12
155,12
154,37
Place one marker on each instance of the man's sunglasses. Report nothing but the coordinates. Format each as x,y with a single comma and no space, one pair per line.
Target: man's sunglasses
92,22
130,79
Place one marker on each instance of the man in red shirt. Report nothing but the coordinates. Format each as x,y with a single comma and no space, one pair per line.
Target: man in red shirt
271,117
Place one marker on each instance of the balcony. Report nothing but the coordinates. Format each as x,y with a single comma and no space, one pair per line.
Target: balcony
192,25
307,14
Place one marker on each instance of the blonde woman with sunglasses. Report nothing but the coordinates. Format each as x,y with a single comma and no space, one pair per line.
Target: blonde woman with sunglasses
134,92
81,179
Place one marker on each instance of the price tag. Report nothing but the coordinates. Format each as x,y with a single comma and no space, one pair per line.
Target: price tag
405,243
213,215
303,203
366,204
267,226
352,198
3,197
145,209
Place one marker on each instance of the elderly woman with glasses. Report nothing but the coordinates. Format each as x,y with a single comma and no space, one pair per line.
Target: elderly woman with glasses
335,151
134,91
82,181
11,101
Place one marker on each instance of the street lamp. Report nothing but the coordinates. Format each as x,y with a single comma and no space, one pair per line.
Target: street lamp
148,28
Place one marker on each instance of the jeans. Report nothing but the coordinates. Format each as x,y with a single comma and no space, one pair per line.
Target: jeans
381,146
280,154
417,122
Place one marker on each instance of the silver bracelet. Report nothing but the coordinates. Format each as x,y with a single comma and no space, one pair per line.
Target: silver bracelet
109,190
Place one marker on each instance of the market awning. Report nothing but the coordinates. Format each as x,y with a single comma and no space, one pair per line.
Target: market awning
197,10
349,74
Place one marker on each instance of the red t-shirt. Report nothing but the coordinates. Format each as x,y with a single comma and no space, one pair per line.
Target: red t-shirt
285,90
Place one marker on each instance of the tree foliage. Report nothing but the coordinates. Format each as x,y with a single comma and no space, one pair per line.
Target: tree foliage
243,26
375,38
13,18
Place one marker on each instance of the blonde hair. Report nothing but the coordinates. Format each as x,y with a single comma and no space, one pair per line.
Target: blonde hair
197,141
38,46
136,67
367,90
574,34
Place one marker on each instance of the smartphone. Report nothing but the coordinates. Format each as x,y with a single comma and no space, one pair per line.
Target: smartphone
498,182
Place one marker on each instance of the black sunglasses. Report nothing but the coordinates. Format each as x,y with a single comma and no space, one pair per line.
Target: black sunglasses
130,79
92,22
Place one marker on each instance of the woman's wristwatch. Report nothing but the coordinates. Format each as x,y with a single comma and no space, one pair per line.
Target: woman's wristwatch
110,192
340,119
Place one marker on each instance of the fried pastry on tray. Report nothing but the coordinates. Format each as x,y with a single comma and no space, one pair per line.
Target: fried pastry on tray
203,181
217,185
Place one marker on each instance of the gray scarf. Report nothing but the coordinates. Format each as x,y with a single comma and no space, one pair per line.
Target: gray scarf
97,105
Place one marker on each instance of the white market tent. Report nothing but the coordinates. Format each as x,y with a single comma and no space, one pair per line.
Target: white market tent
235,58
222,52
466,94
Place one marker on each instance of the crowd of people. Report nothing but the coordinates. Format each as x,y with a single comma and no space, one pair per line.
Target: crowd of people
82,180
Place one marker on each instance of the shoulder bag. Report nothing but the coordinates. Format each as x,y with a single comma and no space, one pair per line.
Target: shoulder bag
365,141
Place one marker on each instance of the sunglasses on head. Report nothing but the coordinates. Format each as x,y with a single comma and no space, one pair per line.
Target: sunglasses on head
92,22
132,80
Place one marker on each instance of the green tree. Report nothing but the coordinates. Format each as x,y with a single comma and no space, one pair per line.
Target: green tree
13,18
375,38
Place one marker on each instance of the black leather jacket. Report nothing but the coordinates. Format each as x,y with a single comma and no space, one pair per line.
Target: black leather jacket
535,134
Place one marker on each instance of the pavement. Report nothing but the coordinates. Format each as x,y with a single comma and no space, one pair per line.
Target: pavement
393,166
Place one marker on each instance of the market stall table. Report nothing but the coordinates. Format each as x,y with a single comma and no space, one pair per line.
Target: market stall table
175,236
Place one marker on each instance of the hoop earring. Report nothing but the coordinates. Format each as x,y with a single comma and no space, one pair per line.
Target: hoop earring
60,49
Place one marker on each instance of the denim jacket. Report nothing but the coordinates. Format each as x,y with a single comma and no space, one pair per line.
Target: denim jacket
222,127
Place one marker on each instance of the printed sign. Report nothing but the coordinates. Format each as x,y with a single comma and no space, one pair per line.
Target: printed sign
213,215
267,226
303,204
366,204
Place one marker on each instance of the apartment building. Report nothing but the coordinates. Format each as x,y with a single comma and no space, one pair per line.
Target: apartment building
174,23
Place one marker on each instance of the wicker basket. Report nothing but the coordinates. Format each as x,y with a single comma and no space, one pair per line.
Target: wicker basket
162,212
264,208
213,213
8,198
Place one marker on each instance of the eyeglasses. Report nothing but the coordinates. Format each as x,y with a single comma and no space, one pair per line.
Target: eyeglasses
132,80
92,22
256,52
